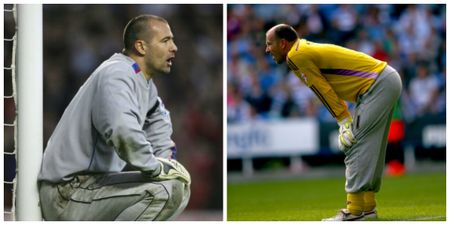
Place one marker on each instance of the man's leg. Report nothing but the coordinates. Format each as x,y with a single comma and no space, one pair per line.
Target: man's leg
186,194
167,207
355,203
51,201
369,205
364,161
119,196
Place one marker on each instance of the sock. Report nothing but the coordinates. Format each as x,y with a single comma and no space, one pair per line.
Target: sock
355,203
369,201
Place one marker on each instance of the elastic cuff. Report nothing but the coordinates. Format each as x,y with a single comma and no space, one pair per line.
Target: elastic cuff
342,122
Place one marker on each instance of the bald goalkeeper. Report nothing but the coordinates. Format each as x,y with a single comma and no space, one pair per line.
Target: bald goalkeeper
338,75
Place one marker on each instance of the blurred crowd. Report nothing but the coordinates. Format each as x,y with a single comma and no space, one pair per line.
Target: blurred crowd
411,38
77,38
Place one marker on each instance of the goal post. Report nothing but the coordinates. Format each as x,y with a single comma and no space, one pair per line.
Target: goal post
29,110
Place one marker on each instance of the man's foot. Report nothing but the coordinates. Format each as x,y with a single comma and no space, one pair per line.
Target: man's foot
345,215
371,215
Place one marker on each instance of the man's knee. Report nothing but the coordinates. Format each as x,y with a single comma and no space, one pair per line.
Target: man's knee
166,199
172,192
175,190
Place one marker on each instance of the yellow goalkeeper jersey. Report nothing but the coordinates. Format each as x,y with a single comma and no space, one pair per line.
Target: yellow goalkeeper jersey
333,73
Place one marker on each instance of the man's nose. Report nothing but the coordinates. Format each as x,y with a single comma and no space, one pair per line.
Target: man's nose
174,48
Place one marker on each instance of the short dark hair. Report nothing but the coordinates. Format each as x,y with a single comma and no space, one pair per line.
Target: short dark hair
137,28
284,31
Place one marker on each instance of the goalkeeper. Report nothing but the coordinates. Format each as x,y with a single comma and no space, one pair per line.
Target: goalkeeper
336,74
115,120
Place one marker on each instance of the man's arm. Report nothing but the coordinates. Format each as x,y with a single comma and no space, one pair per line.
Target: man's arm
116,117
311,76
158,130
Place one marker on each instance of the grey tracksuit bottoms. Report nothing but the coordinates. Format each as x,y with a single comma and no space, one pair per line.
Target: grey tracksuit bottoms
365,160
115,196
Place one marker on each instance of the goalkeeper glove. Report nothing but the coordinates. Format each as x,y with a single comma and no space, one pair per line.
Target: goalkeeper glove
171,169
346,138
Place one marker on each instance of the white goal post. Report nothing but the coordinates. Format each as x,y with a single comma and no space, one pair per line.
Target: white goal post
29,110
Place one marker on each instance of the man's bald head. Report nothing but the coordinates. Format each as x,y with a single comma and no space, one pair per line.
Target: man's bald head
138,29
283,31
279,40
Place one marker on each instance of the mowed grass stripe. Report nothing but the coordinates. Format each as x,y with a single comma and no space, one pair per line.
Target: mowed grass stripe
411,197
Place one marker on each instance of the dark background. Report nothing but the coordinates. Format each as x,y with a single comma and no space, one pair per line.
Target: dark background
77,38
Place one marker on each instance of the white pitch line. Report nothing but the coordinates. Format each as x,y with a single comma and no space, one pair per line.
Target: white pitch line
428,218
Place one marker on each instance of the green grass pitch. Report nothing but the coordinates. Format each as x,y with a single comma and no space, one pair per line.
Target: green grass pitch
410,197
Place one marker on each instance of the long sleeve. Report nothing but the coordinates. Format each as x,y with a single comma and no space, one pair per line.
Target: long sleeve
158,130
309,73
116,116
101,130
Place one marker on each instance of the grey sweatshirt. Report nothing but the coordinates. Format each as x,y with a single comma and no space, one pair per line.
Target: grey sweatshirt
116,118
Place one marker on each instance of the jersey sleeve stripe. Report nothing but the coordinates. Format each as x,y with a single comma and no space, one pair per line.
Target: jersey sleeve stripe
292,65
349,73
323,100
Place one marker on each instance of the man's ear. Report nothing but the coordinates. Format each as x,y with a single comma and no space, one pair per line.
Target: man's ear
283,43
140,47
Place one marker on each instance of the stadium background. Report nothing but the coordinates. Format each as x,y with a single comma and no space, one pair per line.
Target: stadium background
262,94
77,38
411,38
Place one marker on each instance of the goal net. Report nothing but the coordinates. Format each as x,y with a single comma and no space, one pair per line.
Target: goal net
23,111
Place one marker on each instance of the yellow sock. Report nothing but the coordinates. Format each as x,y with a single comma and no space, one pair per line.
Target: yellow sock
355,203
369,201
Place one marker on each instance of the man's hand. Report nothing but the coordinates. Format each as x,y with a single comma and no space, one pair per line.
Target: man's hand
171,169
346,138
